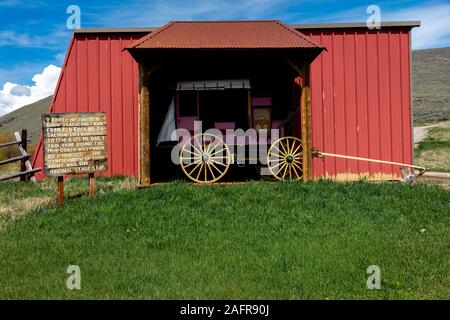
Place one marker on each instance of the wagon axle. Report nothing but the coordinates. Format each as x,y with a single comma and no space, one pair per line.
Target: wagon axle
206,158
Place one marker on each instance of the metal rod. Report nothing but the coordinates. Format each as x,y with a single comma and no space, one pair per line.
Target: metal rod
369,160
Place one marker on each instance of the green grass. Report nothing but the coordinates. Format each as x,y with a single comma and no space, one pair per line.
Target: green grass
258,240
434,151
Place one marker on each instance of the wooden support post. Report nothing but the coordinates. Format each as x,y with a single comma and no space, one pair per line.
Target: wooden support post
306,124
249,109
144,127
60,196
23,152
23,167
91,185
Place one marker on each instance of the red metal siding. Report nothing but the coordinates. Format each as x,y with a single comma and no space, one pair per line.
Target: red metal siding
98,75
360,95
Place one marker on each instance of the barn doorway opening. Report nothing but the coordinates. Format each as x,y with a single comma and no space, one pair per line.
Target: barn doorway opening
235,95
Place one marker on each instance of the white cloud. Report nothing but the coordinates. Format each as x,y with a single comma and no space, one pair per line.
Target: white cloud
55,40
435,28
435,23
14,96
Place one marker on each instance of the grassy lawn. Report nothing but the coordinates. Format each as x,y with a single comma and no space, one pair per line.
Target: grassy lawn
434,151
258,240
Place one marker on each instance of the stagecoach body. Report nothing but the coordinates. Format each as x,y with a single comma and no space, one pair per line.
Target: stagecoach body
243,133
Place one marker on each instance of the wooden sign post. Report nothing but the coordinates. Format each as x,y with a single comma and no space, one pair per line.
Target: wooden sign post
91,185
74,144
60,196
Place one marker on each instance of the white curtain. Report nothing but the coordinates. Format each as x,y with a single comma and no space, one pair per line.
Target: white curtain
169,125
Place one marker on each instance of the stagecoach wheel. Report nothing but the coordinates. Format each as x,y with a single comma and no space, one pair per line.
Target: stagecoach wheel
285,159
205,158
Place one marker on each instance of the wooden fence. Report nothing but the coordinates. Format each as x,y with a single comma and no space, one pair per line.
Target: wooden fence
26,170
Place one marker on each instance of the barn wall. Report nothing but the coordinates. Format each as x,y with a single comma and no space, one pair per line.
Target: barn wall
360,94
99,76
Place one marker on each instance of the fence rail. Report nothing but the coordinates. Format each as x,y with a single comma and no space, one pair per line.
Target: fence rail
26,170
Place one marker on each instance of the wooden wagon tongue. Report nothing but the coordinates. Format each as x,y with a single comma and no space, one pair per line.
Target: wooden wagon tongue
408,175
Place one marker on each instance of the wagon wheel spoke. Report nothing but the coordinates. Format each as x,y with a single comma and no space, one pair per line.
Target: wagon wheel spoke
210,170
193,153
295,171
200,171
294,165
291,151
217,152
219,163
290,171
192,163
214,146
272,168
295,151
286,169
196,167
214,166
199,152
208,149
284,149
281,169
280,152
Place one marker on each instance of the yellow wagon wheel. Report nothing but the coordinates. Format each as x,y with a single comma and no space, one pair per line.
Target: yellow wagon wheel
285,159
205,158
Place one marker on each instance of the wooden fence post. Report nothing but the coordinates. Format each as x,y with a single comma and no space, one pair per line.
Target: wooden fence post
28,166
24,144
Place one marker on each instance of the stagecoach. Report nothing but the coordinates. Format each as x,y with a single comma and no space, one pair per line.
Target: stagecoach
220,123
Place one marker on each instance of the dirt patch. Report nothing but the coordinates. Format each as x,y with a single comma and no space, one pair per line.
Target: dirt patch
421,132
22,207
434,159
19,208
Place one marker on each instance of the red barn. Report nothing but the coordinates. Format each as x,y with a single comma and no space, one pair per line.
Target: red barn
359,80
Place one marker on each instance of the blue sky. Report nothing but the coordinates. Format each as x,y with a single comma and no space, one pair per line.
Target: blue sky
33,34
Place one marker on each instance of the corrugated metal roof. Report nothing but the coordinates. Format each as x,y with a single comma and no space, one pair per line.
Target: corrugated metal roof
298,26
225,35
351,25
